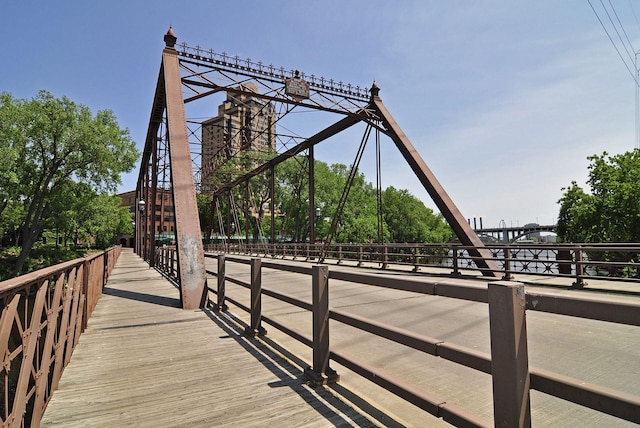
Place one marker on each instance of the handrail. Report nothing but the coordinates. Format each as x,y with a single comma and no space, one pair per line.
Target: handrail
581,262
43,315
599,398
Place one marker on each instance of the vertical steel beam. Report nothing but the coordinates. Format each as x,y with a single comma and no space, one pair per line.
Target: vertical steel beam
481,256
509,357
146,217
191,264
320,373
220,301
255,328
229,222
138,222
312,198
246,212
272,204
152,202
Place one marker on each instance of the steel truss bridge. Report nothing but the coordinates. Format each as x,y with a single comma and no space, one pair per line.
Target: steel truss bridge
190,74
484,319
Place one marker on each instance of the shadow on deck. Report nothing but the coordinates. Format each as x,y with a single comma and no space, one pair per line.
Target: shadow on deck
144,361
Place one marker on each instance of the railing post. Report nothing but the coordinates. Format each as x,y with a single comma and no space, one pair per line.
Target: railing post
173,261
454,262
385,257
165,259
360,255
579,269
414,252
507,264
509,358
339,254
255,328
221,305
320,373
564,261
85,293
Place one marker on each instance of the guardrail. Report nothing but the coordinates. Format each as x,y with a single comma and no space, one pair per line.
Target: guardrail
581,262
508,363
43,315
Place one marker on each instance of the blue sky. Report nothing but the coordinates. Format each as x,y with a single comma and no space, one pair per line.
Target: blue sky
503,99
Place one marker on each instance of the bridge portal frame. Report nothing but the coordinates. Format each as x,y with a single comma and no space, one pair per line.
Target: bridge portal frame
169,108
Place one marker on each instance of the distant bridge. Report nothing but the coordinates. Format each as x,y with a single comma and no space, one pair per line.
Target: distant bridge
511,234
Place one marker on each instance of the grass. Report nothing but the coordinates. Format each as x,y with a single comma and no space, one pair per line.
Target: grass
41,256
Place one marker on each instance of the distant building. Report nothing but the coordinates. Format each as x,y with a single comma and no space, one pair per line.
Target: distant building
164,217
243,123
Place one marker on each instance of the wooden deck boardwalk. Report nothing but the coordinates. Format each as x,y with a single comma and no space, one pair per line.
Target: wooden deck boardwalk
145,362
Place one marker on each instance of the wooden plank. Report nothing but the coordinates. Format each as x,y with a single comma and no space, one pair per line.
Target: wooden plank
143,361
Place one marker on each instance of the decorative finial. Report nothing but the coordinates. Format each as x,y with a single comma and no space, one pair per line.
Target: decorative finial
375,90
170,38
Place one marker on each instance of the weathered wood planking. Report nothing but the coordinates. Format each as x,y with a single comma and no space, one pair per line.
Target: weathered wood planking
144,362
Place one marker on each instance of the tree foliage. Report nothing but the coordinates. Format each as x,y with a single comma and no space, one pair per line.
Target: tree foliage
50,143
405,218
610,212
409,220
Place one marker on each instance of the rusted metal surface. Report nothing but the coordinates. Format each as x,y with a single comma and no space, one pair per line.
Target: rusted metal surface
398,335
606,400
508,365
188,235
509,356
196,69
221,305
43,314
208,72
429,403
312,197
320,373
621,313
542,260
255,328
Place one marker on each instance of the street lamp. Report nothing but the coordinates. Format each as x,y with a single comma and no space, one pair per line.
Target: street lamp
141,231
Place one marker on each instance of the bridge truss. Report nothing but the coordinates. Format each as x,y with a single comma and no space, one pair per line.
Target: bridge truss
173,162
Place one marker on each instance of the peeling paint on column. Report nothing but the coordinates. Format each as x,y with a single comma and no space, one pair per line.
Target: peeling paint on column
190,249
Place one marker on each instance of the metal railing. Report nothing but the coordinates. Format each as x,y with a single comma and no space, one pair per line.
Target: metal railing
581,262
43,314
512,377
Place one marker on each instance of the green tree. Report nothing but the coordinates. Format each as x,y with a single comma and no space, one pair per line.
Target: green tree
57,140
409,220
204,213
358,221
251,198
84,216
611,211
292,198
10,141
405,218
107,219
